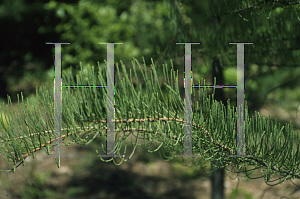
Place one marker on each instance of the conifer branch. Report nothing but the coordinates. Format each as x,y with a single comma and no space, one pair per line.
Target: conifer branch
116,121
263,163
258,4
214,126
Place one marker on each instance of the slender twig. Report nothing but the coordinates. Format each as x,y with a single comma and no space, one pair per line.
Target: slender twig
49,142
118,121
168,119
39,134
274,168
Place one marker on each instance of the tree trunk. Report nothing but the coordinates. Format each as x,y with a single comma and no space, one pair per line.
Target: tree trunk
217,181
217,178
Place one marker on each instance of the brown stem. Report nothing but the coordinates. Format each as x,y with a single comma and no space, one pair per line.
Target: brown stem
274,168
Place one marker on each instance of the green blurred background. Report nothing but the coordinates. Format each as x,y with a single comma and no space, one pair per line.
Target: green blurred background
145,29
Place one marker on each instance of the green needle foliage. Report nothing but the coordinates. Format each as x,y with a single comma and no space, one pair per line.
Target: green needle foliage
147,115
